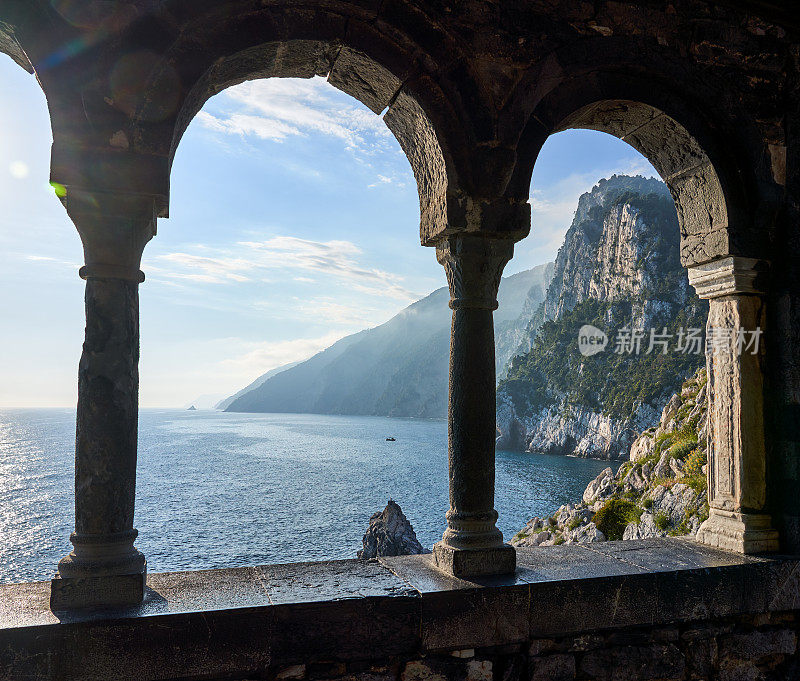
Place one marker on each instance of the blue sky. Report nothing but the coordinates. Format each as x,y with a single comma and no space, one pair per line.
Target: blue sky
294,222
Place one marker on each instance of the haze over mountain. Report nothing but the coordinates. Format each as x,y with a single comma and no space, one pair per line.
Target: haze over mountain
619,266
396,369
224,404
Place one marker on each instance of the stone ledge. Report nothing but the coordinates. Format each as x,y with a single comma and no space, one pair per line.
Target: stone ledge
245,620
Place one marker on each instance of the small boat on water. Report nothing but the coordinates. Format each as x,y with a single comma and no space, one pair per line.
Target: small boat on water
390,439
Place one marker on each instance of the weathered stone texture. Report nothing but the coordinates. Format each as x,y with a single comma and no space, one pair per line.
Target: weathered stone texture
390,534
707,89
744,649
472,544
648,609
417,137
700,87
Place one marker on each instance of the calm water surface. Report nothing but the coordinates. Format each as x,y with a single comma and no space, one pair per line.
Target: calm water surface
220,490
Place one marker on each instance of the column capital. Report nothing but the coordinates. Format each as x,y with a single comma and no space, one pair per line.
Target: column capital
114,229
729,276
474,265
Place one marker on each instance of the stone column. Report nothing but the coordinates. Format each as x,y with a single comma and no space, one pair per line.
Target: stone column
736,451
104,568
472,545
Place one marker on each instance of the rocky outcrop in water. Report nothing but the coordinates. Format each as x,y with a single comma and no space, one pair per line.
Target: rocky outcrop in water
619,268
661,490
390,534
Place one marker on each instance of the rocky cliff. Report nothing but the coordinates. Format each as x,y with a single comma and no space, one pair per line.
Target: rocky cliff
396,369
618,270
661,490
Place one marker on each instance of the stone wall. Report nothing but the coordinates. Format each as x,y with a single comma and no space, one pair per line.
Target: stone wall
733,649
666,609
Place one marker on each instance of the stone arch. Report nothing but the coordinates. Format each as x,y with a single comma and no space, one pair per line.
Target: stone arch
703,211
717,170
10,45
382,67
354,73
714,165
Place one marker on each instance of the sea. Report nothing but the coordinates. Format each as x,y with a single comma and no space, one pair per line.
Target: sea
218,489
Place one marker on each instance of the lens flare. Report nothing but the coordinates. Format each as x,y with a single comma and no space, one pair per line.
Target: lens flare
19,170
59,189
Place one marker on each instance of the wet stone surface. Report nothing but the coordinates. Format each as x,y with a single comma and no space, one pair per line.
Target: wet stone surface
568,612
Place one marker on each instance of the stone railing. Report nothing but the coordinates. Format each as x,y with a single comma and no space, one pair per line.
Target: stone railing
664,608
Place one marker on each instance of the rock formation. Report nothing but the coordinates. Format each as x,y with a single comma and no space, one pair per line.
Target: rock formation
661,490
618,268
390,534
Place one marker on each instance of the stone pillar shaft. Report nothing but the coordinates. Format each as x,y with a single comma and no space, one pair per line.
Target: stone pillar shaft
736,448
104,568
472,545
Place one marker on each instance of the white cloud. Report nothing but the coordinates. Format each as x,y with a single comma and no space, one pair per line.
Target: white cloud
385,179
59,263
207,269
334,258
278,108
242,124
252,260
328,310
258,358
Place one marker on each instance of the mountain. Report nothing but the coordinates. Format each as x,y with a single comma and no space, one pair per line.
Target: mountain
396,369
618,269
511,330
224,404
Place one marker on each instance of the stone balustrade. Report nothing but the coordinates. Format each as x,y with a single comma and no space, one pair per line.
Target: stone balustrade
668,609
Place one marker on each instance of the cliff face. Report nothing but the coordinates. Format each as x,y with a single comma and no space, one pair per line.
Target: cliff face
396,369
618,268
622,244
662,490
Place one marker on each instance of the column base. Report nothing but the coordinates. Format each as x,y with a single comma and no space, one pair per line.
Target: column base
475,562
739,532
101,571
108,591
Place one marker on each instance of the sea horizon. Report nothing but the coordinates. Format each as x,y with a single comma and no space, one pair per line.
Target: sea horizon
225,489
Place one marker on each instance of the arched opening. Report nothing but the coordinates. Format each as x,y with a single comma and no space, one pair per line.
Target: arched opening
292,228
41,311
613,364
702,450
381,91
157,123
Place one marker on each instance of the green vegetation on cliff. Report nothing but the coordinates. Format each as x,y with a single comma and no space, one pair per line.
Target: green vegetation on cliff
619,270
610,382
661,490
